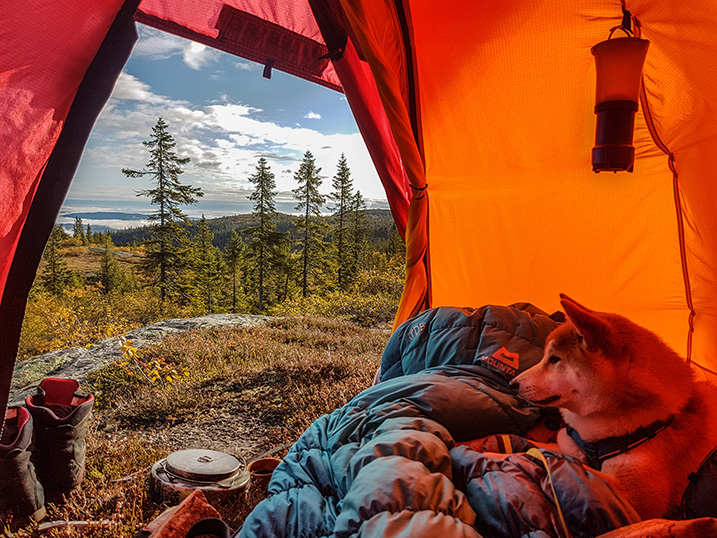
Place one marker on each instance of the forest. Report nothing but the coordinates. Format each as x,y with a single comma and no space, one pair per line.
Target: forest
332,258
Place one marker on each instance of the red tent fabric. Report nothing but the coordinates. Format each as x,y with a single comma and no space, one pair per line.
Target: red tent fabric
39,81
58,66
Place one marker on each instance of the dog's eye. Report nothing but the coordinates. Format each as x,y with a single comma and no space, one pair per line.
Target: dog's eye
553,359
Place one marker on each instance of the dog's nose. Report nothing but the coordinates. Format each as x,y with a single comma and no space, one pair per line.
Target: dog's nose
515,385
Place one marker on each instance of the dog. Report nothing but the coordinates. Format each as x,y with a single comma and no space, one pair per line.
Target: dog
632,406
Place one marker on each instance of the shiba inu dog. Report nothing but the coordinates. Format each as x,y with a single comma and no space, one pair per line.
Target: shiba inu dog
632,406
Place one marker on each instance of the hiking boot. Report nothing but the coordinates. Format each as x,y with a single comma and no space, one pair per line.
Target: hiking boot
20,491
61,416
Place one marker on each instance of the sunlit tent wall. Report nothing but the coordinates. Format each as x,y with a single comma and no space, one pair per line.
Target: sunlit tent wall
478,116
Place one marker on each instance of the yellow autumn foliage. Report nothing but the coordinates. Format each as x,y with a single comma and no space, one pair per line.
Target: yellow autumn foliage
84,316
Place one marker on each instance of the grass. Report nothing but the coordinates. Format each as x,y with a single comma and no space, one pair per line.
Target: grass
83,260
263,385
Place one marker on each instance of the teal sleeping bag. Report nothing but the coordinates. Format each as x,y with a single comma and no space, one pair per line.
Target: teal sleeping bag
387,463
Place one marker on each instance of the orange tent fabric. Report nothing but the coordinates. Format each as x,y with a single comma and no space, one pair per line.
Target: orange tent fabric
504,97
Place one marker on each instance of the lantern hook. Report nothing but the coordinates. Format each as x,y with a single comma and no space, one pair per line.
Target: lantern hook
625,25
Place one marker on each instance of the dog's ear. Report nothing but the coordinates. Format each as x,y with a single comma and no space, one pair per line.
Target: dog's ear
596,333
564,298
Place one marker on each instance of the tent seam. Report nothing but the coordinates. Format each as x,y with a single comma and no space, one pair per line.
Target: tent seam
649,120
403,16
680,218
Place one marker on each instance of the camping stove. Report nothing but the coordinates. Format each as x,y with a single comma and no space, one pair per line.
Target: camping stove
220,476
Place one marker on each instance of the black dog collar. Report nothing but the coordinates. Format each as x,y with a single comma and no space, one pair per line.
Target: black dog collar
599,451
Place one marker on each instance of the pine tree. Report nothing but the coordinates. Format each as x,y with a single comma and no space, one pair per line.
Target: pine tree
167,250
234,256
207,265
395,246
111,275
358,229
78,232
56,276
342,197
309,225
89,233
265,239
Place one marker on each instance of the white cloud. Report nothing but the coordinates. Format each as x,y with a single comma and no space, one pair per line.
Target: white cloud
246,65
224,142
312,116
157,45
197,55
129,87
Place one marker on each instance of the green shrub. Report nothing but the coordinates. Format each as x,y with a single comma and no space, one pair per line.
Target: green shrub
367,310
388,282
111,382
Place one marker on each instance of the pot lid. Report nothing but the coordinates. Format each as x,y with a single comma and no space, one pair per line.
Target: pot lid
204,465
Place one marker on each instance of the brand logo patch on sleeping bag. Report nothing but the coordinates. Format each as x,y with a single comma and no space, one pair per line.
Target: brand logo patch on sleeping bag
416,330
504,362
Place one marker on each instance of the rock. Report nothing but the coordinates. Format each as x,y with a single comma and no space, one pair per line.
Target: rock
76,362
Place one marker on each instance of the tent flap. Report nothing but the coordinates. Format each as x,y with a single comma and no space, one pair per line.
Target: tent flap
110,44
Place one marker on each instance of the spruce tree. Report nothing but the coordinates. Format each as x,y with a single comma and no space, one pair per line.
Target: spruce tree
309,225
167,250
342,197
283,277
56,276
106,239
78,232
358,229
265,239
234,254
111,275
207,265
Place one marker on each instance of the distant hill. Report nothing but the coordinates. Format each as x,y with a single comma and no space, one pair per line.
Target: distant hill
380,223
108,215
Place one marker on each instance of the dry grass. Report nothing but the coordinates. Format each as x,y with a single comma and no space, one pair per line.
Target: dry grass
85,261
277,380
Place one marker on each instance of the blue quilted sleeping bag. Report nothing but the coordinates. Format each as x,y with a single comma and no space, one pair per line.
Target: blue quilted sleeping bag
387,463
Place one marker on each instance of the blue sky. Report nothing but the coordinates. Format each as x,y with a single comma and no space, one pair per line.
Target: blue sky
224,115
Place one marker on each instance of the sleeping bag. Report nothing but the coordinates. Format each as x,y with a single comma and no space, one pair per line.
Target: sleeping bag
387,463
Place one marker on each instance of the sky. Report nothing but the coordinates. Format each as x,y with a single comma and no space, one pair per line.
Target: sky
224,116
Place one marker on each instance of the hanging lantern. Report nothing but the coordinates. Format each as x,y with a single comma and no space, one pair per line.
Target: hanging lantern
619,64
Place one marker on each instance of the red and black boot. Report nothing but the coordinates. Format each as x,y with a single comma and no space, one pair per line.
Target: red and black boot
61,416
21,493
